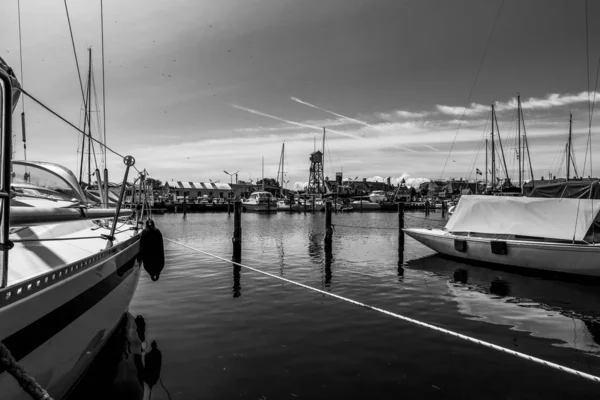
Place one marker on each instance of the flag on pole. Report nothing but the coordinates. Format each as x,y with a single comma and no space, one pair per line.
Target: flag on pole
478,171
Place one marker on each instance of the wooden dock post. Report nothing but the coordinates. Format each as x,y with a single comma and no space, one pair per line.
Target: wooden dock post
184,204
328,226
237,231
361,202
229,206
269,206
305,204
313,203
426,207
443,208
400,231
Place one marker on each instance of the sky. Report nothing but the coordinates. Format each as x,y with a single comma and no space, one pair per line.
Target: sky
404,88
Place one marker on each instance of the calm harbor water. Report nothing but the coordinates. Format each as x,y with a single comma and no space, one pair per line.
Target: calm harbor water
227,332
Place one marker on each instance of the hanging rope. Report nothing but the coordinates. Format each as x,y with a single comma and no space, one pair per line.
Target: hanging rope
487,45
17,371
407,319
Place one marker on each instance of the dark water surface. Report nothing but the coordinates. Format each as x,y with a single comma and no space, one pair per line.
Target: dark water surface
226,332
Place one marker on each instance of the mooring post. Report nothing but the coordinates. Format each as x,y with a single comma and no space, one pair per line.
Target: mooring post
291,201
268,205
237,230
400,231
305,204
361,196
229,206
443,209
328,226
426,207
184,204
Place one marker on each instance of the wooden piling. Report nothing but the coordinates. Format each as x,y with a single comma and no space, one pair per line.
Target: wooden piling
426,207
229,206
361,202
184,204
237,230
313,203
328,226
400,231
305,204
269,206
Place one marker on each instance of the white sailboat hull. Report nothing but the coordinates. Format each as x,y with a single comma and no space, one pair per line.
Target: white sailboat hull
581,259
56,329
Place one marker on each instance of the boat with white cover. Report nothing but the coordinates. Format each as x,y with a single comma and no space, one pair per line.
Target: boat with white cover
549,234
260,202
69,271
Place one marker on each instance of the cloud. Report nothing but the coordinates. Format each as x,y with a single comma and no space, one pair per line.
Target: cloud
474,109
402,115
409,181
251,111
300,185
533,103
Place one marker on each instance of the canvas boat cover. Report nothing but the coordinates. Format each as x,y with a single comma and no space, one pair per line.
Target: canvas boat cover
577,189
550,218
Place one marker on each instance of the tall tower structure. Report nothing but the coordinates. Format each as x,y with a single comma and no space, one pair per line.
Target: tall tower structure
316,179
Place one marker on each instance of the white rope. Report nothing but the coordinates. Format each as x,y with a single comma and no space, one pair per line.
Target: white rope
407,319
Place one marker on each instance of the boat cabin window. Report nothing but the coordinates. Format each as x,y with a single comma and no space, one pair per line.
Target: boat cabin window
33,181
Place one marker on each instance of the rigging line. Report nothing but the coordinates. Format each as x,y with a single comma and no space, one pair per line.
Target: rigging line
21,50
103,80
74,51
589,142
473,86
103,152
70,124
413,321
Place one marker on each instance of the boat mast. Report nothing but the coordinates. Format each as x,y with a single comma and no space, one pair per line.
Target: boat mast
519,152
493,152
486,165
89,111
323,163
569,146
263,173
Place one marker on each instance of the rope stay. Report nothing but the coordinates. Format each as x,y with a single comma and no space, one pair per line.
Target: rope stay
461,336
71,124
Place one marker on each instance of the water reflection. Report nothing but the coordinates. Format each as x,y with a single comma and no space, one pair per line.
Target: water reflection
544,308
328,261
123,369
237,285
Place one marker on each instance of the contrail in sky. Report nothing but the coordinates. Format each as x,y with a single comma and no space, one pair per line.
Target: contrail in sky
432,148
358,121
251,111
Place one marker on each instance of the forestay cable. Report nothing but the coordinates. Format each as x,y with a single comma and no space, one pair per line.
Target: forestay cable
407,319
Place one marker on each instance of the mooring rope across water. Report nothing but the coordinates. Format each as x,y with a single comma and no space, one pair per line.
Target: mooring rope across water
407,319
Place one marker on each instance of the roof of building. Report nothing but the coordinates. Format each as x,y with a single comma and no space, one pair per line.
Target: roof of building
199,185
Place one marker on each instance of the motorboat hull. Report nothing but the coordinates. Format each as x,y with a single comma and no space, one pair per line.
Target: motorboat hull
58,326
366,206
259,208
579,259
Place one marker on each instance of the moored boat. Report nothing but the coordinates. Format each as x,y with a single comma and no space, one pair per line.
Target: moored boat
260,202
549,234
68,271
